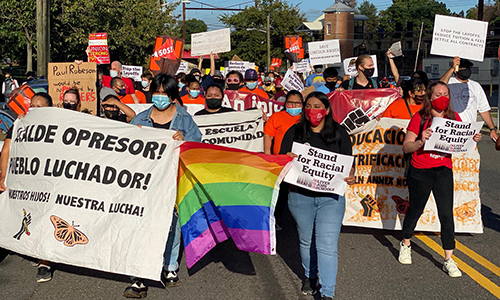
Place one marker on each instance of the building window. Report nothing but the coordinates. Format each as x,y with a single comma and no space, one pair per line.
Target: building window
328,28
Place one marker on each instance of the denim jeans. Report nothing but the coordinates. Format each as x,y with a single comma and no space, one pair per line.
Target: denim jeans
318,223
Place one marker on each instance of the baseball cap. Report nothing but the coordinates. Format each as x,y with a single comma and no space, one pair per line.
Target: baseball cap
465,63
251,74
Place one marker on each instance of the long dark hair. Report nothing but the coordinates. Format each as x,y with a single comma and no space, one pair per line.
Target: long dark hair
425,111
169,84
328,134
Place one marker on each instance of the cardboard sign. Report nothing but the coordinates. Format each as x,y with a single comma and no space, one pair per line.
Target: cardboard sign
133,72
63,76
319,170
240,66
302,67
350,66
98,47
459,37
325,52
216,41
183,68
292,82
451,136
166,56
396,50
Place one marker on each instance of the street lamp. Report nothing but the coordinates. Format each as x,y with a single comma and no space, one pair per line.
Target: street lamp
268,42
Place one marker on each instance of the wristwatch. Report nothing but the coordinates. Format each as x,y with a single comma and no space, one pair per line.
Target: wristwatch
494,128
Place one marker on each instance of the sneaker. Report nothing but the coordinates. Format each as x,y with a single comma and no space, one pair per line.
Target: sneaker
44,274
309,286
450,267
404,254
170,278
136,290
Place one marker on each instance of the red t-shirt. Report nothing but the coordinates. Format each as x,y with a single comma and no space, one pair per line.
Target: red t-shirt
277,125
421,159
129,84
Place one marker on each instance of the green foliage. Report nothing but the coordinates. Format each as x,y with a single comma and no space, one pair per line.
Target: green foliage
251,45
192,26
368,9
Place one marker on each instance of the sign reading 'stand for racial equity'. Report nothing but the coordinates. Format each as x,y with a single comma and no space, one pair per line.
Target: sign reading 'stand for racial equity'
451,136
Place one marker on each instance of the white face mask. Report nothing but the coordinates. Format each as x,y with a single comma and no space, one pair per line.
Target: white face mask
113,73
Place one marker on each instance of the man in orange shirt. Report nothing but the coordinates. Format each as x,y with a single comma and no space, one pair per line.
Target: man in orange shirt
118,86
413,95
193,95
251,85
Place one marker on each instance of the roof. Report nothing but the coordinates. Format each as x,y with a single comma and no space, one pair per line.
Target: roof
339,7
361,18
316,25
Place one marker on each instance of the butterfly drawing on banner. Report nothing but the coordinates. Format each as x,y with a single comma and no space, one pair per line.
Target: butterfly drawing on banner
67,233
401,204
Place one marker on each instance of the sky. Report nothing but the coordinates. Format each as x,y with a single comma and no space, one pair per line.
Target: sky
311,8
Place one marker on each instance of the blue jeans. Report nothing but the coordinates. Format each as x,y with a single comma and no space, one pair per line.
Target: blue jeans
318,223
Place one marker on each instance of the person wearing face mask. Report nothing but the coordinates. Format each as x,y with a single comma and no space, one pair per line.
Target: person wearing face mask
251,86
234,80
269,86
430,171
411,103
315,77
330,74
113,108
142,92
467,96
193,88
364,80
213,101
118,85
218,79
116,71
71,99
165,114
318,215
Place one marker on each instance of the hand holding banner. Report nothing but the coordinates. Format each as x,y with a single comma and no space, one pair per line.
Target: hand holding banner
451,136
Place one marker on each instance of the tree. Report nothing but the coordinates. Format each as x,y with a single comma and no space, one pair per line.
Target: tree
368,9
248,35
192,26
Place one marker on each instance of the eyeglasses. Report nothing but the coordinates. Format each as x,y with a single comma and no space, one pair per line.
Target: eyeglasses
235,80
293,104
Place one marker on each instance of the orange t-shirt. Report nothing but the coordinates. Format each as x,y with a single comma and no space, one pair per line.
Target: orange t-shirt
199,100
127,99
398,110
277,126
256,91
140,95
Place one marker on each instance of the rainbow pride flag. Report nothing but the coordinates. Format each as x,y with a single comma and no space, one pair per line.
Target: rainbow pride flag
227,193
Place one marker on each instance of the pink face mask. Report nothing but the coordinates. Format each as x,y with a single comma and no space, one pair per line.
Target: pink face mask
315,115
440,103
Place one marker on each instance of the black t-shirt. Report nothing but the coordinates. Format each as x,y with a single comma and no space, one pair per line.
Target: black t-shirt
343,146
164,126
356,86
204,111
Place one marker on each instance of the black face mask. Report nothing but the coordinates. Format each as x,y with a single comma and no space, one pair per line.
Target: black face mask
233,86
278,88
331,85
464,74
368,72
213,103
71,106
111,114
267,84
418,99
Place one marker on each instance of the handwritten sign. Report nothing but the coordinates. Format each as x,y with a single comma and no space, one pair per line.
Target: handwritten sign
134,72
240,66
319,170
452,136
216,41
98,47
350,66
302,67
396,50
292,82
183,68
459,37
63,76
325,52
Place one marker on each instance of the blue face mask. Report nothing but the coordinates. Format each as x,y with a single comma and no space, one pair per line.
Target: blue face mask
181,84
194,93
161,101
121,92
144,83
293,111
113,73
252,85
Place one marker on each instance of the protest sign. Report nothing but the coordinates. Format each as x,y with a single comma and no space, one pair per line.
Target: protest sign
166,56
292,82
461,37
89,192
451,136
98,48
242,130
133,72
294,48
379,197
396,50
319,170
325,52
302,67
183,68
350,66
241,101
63,76
216,41
240,66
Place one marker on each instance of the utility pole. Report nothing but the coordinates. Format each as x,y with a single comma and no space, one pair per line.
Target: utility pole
480,10
184,20
268,45
42,36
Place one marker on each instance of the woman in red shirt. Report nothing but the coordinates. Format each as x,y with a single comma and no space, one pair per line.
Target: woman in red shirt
430,171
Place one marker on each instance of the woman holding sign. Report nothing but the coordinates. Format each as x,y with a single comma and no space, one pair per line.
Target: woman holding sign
318,214
430,171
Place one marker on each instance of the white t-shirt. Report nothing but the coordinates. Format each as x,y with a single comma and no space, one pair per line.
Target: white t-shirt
468,98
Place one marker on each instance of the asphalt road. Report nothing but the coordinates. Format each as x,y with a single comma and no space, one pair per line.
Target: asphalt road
368,266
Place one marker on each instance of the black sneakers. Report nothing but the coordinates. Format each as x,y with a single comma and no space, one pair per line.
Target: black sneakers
309,286
136,290
170,278
44,274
